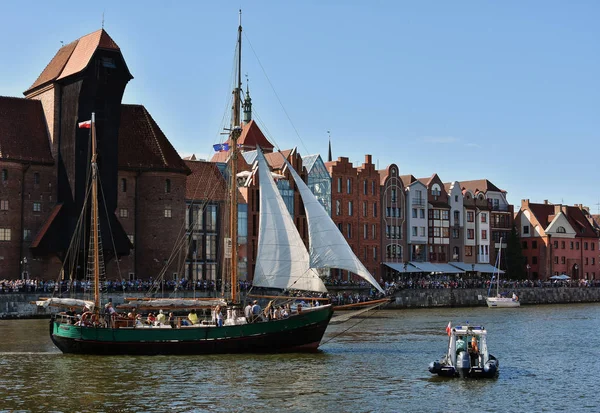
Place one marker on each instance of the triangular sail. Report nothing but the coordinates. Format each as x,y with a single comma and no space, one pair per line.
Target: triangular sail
282,260
328,247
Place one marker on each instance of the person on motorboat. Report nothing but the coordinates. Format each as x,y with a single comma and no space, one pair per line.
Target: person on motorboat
474,350
461,345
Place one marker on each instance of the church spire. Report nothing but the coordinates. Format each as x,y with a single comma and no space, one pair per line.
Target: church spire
329,158
247,105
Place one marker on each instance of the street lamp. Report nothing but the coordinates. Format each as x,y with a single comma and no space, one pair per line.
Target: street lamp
528,272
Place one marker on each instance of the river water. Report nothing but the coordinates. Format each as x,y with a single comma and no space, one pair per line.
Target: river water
549,362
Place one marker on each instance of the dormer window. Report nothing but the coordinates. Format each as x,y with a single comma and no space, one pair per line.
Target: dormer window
561,230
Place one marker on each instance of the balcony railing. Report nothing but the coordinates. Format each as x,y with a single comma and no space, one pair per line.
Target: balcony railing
418,201
503,208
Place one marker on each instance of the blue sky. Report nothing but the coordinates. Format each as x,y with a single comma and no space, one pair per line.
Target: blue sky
508,91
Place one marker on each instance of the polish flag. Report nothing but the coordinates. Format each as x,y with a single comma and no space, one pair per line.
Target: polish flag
85,125
449,327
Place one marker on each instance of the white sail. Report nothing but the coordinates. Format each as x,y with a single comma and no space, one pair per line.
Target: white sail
282,260
65,302
328,247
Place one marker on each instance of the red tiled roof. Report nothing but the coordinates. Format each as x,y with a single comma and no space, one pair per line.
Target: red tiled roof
544,213
276,160
479,185
142,145
252,136
222,157
407,179
205,182
74,57
23,131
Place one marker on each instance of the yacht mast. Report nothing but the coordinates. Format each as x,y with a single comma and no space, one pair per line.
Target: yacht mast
95,236
236,131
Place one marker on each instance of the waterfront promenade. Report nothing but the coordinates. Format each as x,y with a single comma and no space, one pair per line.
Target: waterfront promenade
426,292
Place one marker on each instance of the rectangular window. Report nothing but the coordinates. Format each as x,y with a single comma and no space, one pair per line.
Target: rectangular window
592,245
483,217
534,260
436,214
455,233
437,232
348,186
373,188
524,245
577,245
350,208
422,230
37,206
26,235
422,213
483,234
365,187
586,261
4,175
365,231
593,261
339,184
4,234
374,253
445,232
445,214
349,230
556,260
365,208
470,233
373,231
585,245
338,207
340,227
525,229
562,260
533,245
4,205
555,245
571,245
414,212
123,213
470,216
374,209
414,231
168,213
562,245
211,247
393,195
468,250
211,217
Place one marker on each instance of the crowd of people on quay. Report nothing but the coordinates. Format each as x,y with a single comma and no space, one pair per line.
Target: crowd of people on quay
390,286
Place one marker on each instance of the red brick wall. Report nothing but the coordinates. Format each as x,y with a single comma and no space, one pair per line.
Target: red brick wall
156,234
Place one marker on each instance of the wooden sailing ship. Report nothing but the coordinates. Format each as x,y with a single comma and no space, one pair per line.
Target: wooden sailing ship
283,263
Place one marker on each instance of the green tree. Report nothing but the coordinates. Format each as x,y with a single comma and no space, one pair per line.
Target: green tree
514,259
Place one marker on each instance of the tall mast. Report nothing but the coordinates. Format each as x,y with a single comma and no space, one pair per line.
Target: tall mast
95,237
236,131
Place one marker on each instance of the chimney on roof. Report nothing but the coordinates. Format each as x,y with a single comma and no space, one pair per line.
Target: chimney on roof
565,209
368,159
557,209
524,203
545,202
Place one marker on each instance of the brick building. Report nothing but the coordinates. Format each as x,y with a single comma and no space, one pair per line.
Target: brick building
558,239
356,210
46,162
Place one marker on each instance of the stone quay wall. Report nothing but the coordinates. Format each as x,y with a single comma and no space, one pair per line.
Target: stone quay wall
458,297
17,305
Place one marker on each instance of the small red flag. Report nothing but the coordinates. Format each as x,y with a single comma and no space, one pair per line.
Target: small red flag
449,327
85,125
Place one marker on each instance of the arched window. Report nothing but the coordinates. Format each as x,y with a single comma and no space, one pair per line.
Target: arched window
167,186
123,185
561,230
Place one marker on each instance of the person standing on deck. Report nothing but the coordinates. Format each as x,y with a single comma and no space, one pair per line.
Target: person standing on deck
248,312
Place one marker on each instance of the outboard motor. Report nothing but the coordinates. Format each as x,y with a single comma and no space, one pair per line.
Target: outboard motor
491,368
435,367
463,364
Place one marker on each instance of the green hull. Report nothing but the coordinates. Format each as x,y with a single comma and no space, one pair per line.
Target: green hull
302,332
